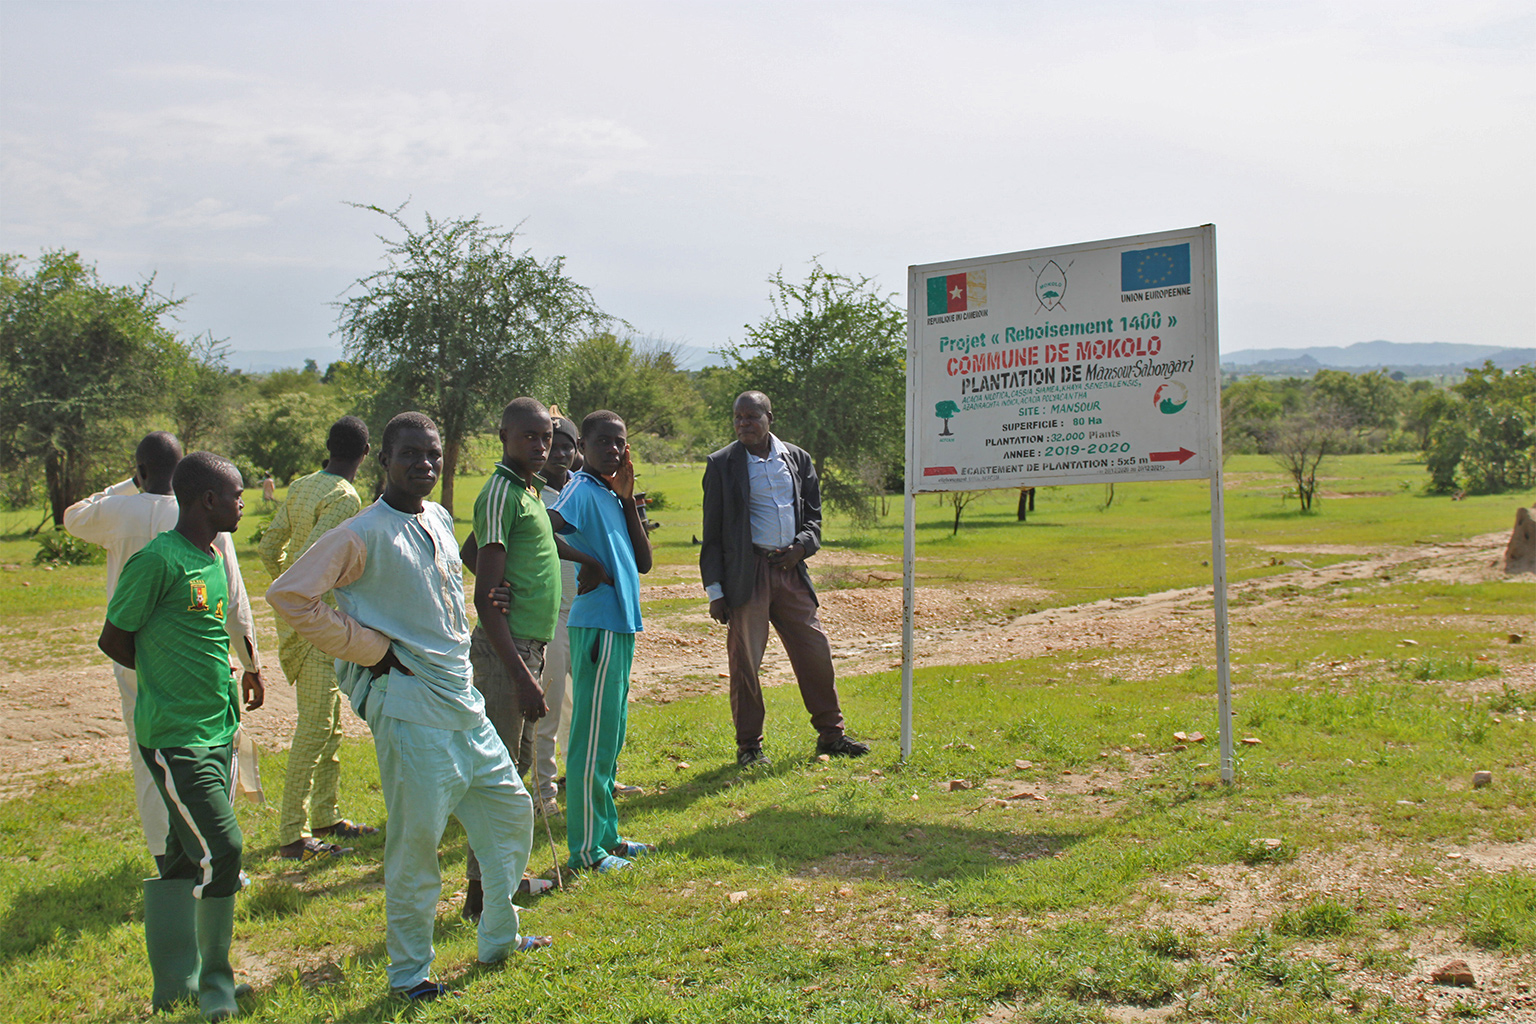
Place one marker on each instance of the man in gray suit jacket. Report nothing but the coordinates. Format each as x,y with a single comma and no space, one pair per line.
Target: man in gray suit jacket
762,519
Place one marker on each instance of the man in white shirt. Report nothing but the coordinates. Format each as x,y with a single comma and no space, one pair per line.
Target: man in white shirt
762,519
122,519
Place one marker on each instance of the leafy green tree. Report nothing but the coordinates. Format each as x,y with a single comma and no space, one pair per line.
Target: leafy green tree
601,373
457,323
1485,440
1442,451
832,358
1370,401
1426,406
642,383
1501,428
1249,409
285,435
202,389
81,364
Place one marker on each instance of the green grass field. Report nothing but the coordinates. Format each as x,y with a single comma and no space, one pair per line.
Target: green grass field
1105,875
1153,536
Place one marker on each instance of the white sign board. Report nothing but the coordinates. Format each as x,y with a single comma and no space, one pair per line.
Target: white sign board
1088,363
1076,364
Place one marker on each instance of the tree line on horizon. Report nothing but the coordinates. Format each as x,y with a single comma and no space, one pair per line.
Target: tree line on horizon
1476,436
458,319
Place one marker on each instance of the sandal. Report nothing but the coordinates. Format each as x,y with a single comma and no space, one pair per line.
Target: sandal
308,849
425,991
345,829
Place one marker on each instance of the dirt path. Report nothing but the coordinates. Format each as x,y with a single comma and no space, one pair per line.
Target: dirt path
67,717
684,653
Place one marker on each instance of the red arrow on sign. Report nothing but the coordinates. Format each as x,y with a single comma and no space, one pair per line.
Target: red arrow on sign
1181,456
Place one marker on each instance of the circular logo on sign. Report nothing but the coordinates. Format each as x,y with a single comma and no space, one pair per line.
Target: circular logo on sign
1051,285
1169,398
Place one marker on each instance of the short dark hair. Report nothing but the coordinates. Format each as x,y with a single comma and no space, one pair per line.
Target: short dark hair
199,473
757,398
158,453
348,439
592,419
520,409
406,421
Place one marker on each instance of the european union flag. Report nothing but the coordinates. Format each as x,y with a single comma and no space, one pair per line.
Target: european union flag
1162,267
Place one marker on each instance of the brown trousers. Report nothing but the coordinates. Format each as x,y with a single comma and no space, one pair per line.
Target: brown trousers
782,598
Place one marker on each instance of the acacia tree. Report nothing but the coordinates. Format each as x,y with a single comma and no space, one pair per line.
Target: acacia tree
832,358
81,362
458,322
1301,442
958,500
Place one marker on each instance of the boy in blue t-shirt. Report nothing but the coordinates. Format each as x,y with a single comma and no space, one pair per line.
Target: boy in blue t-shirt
599,526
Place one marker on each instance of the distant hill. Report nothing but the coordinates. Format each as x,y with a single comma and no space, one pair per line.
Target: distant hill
1414,359
267,360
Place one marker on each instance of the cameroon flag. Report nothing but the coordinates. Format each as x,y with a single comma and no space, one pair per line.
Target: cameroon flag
955,293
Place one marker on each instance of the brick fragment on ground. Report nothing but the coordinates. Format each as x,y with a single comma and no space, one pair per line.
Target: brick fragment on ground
1456,974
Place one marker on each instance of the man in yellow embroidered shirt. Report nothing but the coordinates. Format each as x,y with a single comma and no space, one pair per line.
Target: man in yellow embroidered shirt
315,504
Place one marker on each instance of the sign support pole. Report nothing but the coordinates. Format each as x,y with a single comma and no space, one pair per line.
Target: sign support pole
908,600
1218,528
909,532
1219,590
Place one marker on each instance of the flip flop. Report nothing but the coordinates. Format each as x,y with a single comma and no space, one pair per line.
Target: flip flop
529,943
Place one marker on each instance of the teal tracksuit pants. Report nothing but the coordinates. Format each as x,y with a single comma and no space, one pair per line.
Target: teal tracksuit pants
600,663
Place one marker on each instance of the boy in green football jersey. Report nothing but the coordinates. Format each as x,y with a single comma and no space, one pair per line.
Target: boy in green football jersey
516,547
166,621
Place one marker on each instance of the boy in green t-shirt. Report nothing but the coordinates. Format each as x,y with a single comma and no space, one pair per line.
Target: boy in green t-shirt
166,621
516,545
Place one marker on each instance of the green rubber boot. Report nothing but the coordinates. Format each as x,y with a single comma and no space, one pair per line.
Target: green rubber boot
170,936
215,932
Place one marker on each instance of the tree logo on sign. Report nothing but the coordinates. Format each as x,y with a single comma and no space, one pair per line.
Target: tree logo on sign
944,410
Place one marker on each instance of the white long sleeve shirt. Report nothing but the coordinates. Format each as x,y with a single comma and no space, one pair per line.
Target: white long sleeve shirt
123,519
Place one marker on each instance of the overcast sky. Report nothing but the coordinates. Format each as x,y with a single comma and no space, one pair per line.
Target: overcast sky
1368,167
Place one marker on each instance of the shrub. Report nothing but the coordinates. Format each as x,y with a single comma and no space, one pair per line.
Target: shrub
59,548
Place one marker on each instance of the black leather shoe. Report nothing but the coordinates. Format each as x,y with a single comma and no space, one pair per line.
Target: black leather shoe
842,747
752,757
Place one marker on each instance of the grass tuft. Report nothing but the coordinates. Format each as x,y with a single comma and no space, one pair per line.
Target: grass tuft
1316,920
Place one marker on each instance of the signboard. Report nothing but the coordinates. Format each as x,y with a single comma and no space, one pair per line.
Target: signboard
1089,363
1077,364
